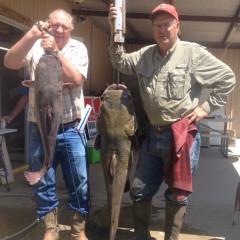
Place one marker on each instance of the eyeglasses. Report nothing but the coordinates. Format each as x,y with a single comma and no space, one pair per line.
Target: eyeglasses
164,26
56,26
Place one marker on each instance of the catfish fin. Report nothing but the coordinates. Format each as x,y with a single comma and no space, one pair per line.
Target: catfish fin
97,142
28,83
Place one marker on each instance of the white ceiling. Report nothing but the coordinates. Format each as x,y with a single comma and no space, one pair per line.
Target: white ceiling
208,22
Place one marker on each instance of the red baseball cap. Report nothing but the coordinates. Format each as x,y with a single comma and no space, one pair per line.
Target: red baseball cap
167,8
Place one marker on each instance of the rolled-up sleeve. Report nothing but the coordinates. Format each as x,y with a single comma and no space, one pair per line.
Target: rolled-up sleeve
122,61
78,57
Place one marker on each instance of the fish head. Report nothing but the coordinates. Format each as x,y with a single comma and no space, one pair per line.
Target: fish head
117,98
116,109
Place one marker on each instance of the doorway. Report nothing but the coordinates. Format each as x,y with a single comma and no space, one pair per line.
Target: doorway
10,92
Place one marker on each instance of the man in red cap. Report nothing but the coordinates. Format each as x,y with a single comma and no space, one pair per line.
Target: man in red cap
171,75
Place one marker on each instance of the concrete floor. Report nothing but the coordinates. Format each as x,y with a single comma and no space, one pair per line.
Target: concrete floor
209,214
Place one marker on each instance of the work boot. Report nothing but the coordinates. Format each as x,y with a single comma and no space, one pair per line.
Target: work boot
50,226
78,227
174,215
142,212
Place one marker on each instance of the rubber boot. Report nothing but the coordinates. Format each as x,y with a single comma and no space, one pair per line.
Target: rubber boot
142,212
50,226
174,216
78,227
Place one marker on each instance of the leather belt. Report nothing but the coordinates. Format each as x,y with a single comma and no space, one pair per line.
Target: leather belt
160,128
70,124
66,125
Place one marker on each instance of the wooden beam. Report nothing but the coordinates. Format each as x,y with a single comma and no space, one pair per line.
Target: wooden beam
102,13
107,2
224,42
206,44
134,31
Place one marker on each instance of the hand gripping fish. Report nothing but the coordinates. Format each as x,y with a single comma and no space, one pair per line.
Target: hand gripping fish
116,126
48,86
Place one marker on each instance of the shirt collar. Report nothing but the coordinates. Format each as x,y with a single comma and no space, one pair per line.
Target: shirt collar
170,51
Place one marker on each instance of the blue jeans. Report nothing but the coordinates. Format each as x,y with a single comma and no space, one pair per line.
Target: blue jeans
70,152
149,174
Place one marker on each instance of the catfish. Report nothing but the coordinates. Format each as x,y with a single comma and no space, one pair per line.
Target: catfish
116,127
48,87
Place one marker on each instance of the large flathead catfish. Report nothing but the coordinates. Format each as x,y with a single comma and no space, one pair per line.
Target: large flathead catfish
48,86
116,126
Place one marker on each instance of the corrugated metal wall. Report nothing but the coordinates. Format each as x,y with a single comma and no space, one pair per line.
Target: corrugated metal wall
101,71
232,58
35,9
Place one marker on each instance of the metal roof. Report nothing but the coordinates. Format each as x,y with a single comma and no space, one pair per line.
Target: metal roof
213,23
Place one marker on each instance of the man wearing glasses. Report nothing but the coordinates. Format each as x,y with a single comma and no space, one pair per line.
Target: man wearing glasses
171,75
54,36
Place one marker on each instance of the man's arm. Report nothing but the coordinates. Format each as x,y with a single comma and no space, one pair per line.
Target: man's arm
70,74
15,56
22,102
213,73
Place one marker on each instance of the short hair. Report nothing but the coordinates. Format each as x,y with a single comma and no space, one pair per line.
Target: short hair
65,12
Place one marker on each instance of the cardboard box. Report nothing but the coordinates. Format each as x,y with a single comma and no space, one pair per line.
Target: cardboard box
93,154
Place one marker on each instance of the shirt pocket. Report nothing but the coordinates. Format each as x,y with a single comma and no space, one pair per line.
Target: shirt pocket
146,81
178,84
